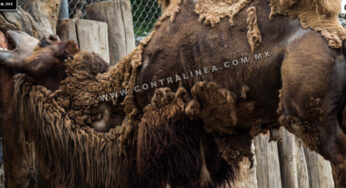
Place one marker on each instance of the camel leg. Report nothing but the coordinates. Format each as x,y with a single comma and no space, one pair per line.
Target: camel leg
312,101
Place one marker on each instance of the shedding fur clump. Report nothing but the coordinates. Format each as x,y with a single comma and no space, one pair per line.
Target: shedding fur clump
253,33
212,11
218,107
80,92
170,8
320,15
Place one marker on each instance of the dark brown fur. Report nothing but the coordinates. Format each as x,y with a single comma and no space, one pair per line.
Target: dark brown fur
47,67
175,137
192,46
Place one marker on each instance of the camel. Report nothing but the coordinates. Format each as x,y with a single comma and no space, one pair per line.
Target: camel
182,108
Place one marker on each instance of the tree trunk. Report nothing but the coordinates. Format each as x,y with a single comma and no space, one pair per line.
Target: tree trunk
38,18
44,12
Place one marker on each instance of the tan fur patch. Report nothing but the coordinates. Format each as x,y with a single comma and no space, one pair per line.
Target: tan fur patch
170,8
212,11
253,33
320,15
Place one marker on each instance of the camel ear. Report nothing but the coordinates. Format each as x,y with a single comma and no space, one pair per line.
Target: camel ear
67,49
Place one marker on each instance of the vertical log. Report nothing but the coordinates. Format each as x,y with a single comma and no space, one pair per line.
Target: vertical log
67,29
268,166
288,159
303,174
117,14
294,170
91,35
320,171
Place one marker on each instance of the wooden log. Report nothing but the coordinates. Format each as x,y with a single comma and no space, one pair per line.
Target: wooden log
294,172
67,29
268,166
90,35
302,169
320,171
288,152
117,14
93,37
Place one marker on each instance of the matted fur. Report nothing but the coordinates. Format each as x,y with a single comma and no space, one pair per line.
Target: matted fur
173,148
67,155
212,11
170,7
320,15
253,34
66,145
68,151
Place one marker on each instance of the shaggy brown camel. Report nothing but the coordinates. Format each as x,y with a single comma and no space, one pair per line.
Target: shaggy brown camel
195,95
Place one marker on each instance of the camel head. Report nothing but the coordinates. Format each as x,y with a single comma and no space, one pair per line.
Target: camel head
16,46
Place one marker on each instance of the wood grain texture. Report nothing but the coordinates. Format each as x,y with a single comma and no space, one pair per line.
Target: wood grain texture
268,165
117,14
90,35
320,171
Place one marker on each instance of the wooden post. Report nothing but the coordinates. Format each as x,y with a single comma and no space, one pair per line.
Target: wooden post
320,171
288,159
91,35
302,169
268,166
117,14
67,29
